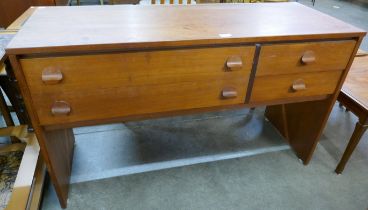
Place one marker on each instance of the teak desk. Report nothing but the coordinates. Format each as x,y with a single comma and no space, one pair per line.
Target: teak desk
80,66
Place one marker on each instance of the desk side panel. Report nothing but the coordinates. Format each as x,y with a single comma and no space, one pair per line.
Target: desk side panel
303,123
56,146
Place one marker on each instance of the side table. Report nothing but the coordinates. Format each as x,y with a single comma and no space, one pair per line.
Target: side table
354,96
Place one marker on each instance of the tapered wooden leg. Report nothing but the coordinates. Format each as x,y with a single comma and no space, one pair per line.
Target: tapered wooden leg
353,142
57,149
301,124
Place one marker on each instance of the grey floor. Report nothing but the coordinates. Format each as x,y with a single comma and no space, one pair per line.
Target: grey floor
219,160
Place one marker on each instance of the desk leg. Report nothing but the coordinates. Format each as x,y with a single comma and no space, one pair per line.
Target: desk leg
353,142
301,124
57,149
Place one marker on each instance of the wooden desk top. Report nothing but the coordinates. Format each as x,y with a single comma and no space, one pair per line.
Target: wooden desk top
65,29
356,83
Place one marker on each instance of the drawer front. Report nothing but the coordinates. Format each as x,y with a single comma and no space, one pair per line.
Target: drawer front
268,88
279,59
124,84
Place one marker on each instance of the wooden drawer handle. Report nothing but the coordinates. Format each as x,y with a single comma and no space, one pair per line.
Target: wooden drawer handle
308,57
298,85
234,62
52,75
60,108
229,93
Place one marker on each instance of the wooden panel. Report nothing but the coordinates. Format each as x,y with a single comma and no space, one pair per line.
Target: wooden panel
356,83
54,30
354,106
304,124
59,152
11,10
306,121
97,91
277,114
268,88
56,146
123,84
278,59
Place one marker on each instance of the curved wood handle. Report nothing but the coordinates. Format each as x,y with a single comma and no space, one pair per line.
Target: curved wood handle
51,75
234,62
308,57
229,92
60,108
298,85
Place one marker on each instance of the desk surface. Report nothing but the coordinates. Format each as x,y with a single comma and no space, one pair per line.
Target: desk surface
60,29
356,83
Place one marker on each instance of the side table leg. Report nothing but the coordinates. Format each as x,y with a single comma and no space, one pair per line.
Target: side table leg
353,142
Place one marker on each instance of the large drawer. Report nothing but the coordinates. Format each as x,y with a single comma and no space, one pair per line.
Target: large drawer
276,59
269,88
134,83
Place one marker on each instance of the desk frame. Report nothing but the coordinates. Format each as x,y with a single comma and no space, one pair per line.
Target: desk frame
301,124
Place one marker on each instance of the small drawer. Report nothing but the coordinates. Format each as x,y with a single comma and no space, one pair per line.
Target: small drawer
268,88
92,87
276,59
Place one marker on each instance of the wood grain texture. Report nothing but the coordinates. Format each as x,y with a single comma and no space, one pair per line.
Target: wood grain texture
356,83
166,80
306,121
353,142
301,124
53,29
169,60
61,143
63,125
268,88
276,59
56,146
355,98
277,114
11,9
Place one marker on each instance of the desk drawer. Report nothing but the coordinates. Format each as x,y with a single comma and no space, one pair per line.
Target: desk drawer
276,59
268,88
123,84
